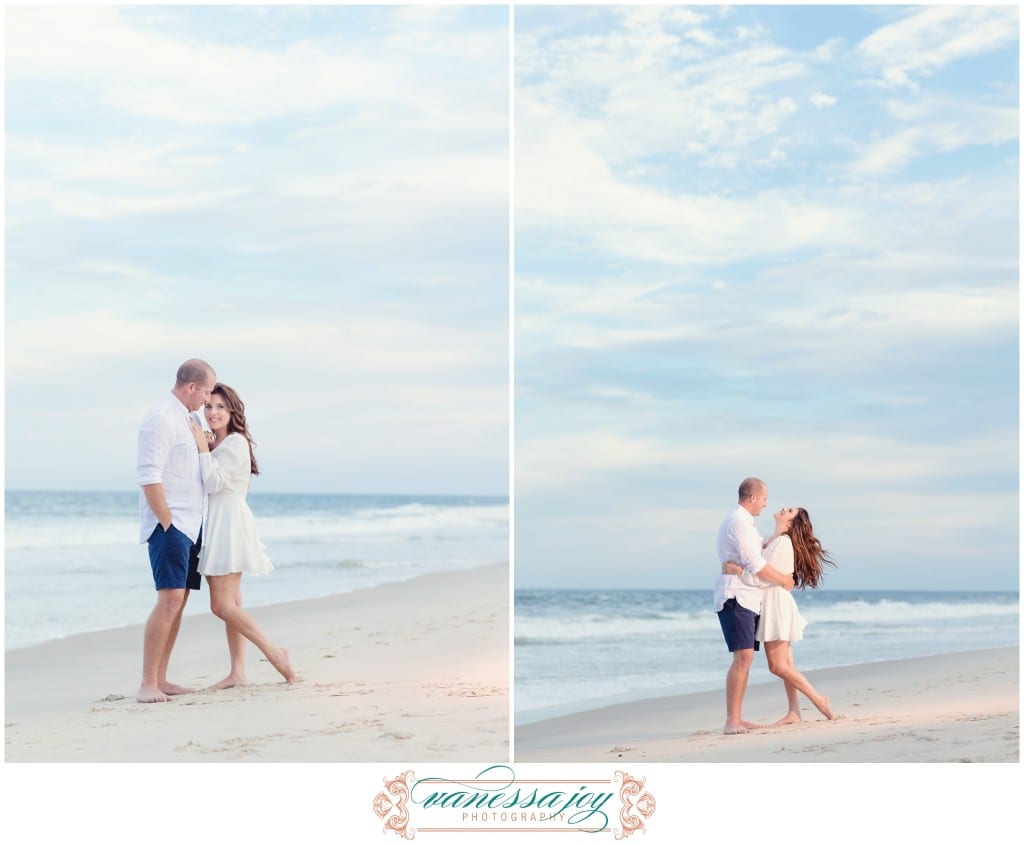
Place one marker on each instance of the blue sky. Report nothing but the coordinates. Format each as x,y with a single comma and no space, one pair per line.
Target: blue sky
315,199
771,241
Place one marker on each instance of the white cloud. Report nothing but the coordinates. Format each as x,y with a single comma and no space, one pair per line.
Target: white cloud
702,37
702,92
562,181
173,80
405,145
934,125
144,71
658,18
823,101
826,51
885,316
374,347
888,154
930,38
615,459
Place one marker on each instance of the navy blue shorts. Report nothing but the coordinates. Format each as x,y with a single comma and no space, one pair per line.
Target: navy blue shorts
738,626
174,559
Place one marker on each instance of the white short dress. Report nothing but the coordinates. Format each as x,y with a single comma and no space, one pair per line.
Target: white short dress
230,542
780,618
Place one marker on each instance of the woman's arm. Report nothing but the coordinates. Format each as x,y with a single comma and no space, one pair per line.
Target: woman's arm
230,463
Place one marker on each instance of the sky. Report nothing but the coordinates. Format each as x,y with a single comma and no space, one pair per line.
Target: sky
766,241
313,199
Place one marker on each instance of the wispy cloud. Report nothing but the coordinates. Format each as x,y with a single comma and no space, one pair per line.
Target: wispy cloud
927,39
940,125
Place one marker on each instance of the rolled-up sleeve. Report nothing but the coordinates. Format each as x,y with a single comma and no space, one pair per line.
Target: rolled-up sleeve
155,439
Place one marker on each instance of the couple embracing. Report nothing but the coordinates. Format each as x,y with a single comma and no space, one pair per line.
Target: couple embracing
195,521
754,603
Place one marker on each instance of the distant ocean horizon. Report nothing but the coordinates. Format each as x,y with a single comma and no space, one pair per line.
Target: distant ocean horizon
582,649
73,562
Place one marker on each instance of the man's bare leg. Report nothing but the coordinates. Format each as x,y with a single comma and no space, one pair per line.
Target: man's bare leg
157,642
170,688
735,689
236,649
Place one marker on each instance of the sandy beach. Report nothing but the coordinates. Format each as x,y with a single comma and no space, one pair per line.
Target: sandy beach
412,671
961,707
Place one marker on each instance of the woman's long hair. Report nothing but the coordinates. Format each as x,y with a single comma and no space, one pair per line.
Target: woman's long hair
237,424
809,559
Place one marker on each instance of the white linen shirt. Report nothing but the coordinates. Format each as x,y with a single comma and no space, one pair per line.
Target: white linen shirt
739,541
168,454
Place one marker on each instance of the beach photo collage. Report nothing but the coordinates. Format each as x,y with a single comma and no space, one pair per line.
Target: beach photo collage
505,393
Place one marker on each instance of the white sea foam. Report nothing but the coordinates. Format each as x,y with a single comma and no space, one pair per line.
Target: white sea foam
577,649
591,627
571,628
383,523
69,533
74,562
405,521
885,611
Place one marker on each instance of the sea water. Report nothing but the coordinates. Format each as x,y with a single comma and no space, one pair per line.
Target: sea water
576,649
73,562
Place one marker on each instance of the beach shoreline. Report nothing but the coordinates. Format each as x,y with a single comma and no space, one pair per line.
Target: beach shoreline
961,706
410,670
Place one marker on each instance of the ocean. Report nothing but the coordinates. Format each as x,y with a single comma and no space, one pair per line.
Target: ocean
73,562
579,649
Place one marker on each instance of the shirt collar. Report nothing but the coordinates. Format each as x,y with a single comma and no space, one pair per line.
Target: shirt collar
745,514
181,405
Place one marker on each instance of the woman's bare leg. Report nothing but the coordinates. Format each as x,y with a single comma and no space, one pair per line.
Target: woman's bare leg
236,649
793,714
224,592
780,662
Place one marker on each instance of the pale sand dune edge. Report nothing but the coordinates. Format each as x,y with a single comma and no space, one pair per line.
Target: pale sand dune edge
413,671
957,707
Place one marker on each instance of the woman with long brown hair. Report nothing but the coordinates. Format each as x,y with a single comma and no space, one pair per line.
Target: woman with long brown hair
231,546
793,549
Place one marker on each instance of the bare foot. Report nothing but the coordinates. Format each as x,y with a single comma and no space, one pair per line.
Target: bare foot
172,689
230,680
734,728
825,710
749,726
284,666
150,694
789,719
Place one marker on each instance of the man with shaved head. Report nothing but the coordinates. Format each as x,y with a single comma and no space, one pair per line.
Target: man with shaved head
171,505
738,598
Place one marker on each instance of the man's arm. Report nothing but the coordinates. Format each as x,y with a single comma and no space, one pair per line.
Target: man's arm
155,439
158,502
